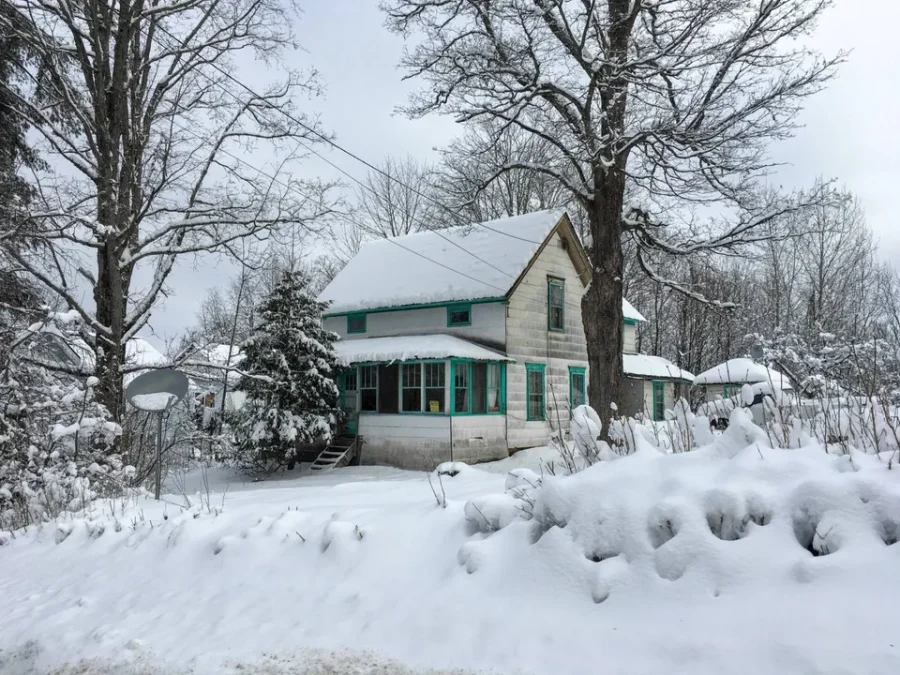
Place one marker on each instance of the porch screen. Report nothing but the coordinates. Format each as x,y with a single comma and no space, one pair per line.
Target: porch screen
368,388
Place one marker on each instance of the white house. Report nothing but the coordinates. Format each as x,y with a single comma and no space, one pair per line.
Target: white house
728,379
464,343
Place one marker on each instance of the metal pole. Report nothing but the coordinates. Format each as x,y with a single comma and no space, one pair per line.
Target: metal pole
159,441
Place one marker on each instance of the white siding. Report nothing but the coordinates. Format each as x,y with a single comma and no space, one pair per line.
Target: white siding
630,338
479,438
408,441
530,341
488,323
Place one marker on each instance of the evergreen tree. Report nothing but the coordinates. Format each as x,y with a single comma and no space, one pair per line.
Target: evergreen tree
290,366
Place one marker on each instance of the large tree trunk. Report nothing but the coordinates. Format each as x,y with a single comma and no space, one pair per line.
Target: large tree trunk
601,305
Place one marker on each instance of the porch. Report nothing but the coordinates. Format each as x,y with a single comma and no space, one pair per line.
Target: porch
422,400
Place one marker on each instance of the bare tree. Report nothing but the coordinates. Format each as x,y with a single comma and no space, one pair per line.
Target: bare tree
150,167
470,182
394,200
669,100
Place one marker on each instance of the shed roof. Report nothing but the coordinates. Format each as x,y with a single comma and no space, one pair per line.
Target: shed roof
645,366
411,348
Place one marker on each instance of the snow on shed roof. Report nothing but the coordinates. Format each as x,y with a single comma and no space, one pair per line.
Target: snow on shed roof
411,347
470,262
405,270
742,371
653,367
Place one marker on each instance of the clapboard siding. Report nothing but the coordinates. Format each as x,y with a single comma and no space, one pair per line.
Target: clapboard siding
530,341
488,323
629,339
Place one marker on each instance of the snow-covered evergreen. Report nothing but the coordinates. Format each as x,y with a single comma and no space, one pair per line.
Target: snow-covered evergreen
290,369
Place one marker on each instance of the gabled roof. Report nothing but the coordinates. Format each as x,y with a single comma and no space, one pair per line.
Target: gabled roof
481,261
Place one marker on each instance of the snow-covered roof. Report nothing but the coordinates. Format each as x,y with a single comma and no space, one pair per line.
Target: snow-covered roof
470,262
411,347
742,371
139,352
645,366
629,312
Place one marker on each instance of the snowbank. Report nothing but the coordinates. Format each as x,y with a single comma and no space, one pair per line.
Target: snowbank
733,559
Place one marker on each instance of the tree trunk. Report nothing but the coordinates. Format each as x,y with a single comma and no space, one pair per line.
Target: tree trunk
601,305
109,351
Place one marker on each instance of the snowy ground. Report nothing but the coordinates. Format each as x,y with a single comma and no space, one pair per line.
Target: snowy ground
698,563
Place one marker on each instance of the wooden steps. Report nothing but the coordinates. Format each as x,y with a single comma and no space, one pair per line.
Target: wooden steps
337,454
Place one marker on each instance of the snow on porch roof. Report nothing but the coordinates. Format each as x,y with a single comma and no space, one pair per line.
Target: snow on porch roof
645,366
469,262
412,347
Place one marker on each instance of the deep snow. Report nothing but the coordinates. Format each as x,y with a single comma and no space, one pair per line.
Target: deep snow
729,559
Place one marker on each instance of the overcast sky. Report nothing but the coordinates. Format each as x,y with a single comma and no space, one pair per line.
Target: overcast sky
850,130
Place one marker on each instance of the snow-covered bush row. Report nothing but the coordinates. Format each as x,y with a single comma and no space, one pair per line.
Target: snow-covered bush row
733,513
54,447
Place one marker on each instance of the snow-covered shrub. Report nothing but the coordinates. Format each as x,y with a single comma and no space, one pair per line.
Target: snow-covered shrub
290,367
55,445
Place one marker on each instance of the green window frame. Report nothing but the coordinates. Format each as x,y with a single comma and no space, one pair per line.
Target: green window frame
556,305
477,388
577,386
535,392
410,387
356,323
659,401
435,387
459,314
368,388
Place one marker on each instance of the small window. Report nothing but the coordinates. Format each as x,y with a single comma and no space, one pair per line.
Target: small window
534,385
368,388
356,323
494,385
411,396
659,401
556,301
435,387
459,315
461,388
577,387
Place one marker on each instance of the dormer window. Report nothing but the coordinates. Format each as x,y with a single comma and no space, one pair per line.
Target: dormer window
459,315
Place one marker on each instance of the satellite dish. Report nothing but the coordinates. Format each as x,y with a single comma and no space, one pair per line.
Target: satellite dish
756,353
157,390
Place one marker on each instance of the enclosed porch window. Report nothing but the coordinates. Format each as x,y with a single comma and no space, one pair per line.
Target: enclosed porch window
426,387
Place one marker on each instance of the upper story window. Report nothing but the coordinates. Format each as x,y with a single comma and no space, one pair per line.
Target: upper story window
459,315
356,323
556,302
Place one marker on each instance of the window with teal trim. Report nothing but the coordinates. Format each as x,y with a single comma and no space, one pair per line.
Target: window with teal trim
556,304
461,388
459,315
411,384
368,388
494,388
356,323
577,387
534,391
659,401
435,387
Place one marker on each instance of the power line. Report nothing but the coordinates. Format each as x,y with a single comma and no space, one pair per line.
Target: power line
336,145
